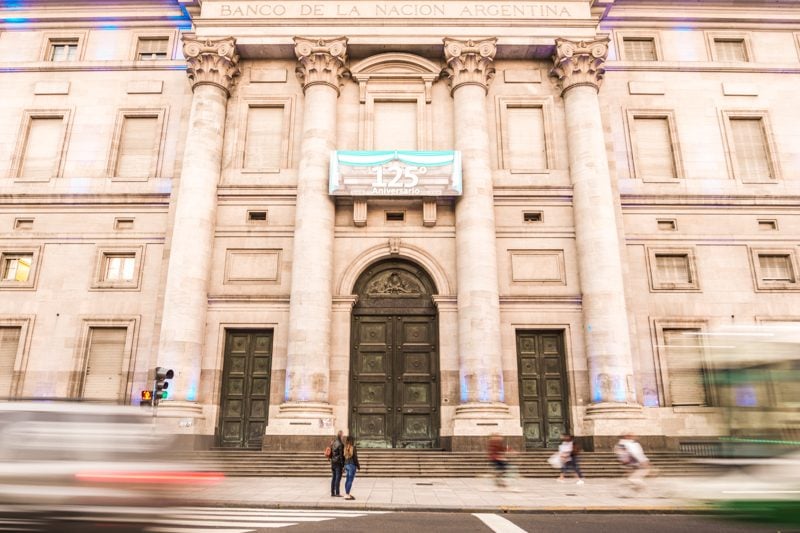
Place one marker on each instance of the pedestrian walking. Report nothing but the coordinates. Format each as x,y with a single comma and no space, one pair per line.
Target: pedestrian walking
631,455
337,465
568,452
351,465
497,456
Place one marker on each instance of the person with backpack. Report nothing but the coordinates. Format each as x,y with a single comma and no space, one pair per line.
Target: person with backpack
351,464
568,452
335,454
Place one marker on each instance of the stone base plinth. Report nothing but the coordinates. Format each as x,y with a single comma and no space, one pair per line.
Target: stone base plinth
474,423
300,426
183,420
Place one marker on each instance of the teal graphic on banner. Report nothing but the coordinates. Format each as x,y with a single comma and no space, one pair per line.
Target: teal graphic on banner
395,173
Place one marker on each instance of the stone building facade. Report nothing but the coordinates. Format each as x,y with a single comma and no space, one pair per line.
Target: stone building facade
631,177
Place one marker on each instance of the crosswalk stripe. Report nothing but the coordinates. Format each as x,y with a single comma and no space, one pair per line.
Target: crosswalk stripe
498,524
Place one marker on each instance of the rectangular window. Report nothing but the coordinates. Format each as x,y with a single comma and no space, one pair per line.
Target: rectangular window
9,345
103,379
42,148
264,138
152,48
525,138
654,157
684,355
776,267
17,267
138,147
673,268
394,126
119,267
63,50
730,50
639,49
667,224
752,154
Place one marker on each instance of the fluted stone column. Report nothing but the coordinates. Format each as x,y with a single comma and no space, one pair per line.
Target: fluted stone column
579,69
306,410
212,69
470,68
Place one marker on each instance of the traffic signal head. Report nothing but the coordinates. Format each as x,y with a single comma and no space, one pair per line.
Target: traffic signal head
161,376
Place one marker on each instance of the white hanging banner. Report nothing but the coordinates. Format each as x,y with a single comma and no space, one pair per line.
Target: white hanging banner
395,173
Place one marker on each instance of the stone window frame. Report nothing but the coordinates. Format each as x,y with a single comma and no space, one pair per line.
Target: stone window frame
657,285
161,114
25,323
631,114
545,103
726,115
657,327
66,115
797,43
621,35
99,283
33,278
288,105
53,37
713,36
81,353
759,284
413,94
170,35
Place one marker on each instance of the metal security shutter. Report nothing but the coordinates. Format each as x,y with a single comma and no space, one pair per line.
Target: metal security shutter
264,141
394,126
640,49
525,138
42,147
685,365
730,50
750,145
776,267
9,344
137,147
654,156
104,373
673,268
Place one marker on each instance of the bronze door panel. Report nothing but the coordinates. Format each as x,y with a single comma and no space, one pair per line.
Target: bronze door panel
542,385
416,394
371,395
244,405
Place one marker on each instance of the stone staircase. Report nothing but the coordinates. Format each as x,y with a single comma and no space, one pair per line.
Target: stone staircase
427,463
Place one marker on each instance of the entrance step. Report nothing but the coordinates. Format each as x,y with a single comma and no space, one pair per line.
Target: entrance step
429,463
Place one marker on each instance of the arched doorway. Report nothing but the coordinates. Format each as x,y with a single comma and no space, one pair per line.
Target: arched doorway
394,358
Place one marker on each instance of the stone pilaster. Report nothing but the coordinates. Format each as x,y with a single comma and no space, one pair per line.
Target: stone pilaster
212,69
579,70
483,409
306,412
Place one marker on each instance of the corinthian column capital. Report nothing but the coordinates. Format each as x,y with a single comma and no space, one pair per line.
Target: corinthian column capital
211,62
321,61
469,62
580,63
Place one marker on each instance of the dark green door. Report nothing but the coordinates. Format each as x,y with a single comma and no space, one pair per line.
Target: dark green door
542,387
394,388
245,388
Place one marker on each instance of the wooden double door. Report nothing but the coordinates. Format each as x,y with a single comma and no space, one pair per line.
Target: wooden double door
246,378
394,362
542,387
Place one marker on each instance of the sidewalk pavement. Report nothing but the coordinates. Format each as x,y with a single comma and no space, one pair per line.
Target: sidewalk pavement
452,494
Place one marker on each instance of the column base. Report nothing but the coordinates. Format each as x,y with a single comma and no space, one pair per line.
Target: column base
474,423
614,410
300,426
182,419
605,422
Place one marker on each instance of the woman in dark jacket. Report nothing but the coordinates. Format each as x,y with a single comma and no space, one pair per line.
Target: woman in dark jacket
350,465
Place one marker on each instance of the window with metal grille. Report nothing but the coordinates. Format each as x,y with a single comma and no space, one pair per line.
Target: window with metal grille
16,267
138,147
653,148
264,147
673,268
152,48
105,354
684,357
9,345
63,50
525,137
730,50
750,148
42,150
394,125
639,48
119,267
776,267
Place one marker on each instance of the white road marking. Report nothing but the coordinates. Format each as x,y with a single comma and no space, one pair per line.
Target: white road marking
498,524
